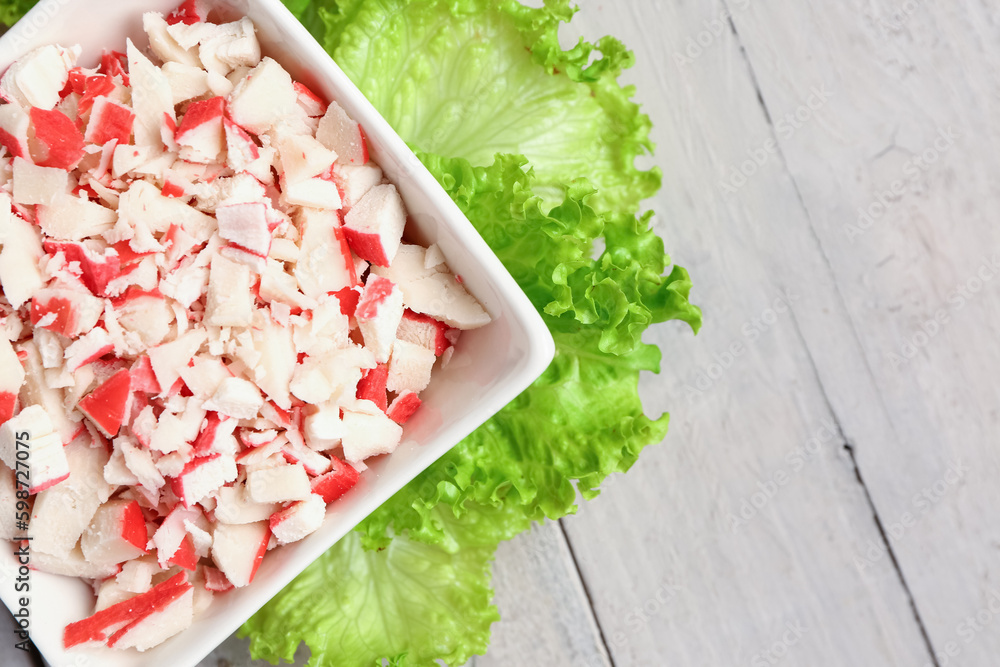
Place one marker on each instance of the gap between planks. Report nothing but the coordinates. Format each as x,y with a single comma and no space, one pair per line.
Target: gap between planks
586,592
547,616
886,543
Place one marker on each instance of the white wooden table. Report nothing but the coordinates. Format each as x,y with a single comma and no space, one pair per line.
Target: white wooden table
826,495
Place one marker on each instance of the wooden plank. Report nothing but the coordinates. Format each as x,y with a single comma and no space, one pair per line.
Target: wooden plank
897,173
10,655
546,617
697,591
235,652
673,579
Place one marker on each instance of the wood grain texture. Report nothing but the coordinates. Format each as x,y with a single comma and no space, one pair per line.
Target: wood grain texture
898,176
540,596
746,394
547,619
10,655
826,495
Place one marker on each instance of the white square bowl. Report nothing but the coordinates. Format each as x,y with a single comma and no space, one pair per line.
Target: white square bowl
491,366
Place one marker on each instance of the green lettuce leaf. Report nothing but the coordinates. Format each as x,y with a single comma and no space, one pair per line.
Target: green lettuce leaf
471,78
578,423
464,81
12,10
410,604
582,420
566,190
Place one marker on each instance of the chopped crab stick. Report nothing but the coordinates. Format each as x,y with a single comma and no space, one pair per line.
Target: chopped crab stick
342,134
263,97
337,482
403,407
369,433
298,520
38,185
373,386
88,348
409,368
235,507
152,629
30,433
211,318
97,627
11,379
62,513
107,405
216,581
326,264
38,77
245,226
116,534
109,121
201,135
96,269
202,476
60,143
239,549
309,101
278,484
424,330
374,227
379,313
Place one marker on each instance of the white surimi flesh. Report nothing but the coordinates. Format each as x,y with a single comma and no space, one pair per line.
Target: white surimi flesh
62,513
44,460
20,276
237,550
409,367
369,433
106,540
279,484
236,507
160,625
192,306
263,97
298,520
37,78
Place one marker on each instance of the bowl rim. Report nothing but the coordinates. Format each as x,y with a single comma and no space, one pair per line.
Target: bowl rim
539,345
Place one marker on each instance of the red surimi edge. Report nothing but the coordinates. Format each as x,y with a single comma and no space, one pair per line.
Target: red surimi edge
96,627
